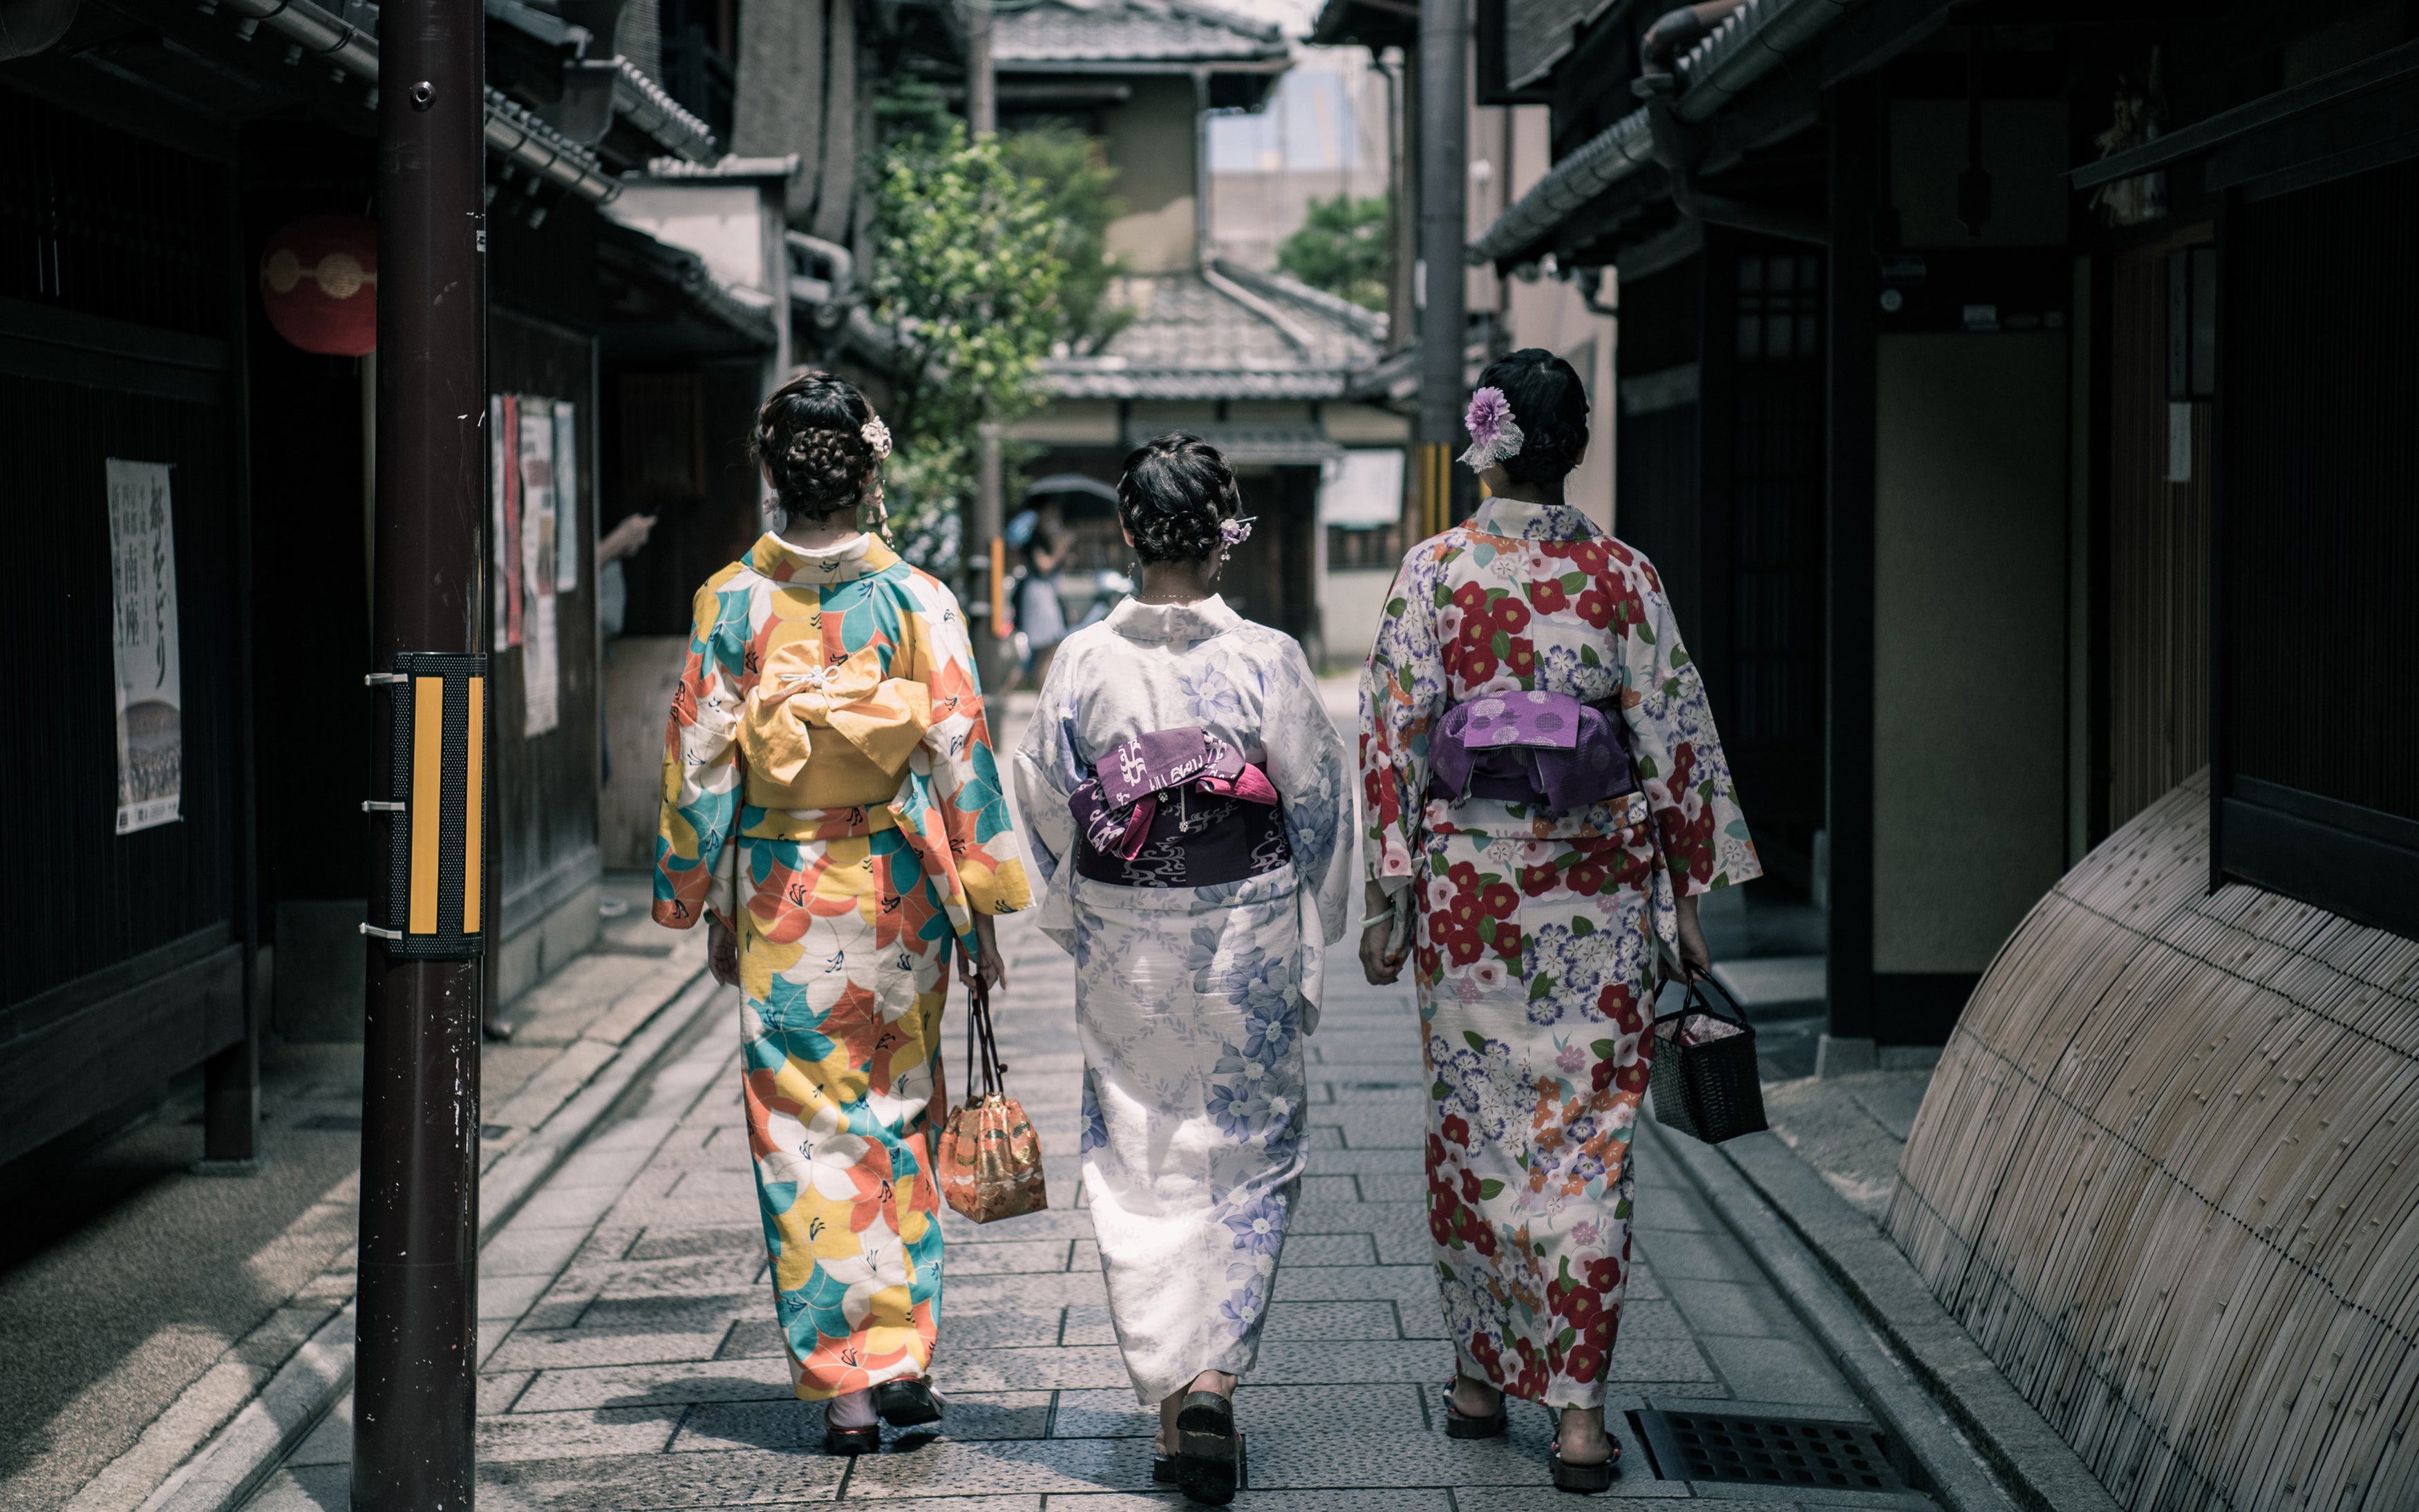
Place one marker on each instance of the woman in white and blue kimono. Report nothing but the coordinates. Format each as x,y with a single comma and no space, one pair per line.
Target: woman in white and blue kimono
1188,801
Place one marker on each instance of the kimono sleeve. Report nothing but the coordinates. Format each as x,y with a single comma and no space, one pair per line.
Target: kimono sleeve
1701,834
1043,772
696,861
965,772
1308,767
1402,692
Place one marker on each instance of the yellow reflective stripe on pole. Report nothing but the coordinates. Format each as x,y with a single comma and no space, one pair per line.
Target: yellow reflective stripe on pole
999,625
427,798
474,806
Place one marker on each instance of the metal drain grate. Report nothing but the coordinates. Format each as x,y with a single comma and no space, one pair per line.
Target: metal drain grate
1766,1451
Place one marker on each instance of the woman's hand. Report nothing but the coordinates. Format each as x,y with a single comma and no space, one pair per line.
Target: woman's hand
1379,964
1695,959
993,970
721,953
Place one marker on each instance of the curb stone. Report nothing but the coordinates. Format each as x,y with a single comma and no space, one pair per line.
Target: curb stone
1958,1475
2041,1468
226,1467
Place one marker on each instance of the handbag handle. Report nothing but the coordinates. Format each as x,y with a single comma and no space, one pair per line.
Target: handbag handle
982,1050
1697,1002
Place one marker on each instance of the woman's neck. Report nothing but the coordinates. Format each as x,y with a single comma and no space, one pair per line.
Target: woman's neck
821,534
1177,582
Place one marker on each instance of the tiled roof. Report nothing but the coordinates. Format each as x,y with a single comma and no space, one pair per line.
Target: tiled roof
1192,339
1081,32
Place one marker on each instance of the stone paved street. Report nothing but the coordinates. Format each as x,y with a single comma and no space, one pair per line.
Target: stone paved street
630,1360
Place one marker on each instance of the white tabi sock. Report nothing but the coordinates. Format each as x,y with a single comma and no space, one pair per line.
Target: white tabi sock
850,1409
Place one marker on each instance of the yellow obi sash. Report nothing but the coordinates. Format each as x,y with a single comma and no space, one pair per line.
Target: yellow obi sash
837,736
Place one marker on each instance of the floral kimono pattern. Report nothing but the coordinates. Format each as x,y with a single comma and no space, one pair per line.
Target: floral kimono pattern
1534,951
1192,1002
830,794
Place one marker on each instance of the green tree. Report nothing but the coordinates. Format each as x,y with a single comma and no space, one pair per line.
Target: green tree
1079,181
1341,248
968,282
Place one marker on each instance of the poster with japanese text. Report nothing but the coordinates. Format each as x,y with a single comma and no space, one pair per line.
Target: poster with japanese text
541,669
151,681
567,497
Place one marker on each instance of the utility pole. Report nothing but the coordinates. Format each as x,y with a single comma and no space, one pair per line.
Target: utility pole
416,1340
1444,111
987,547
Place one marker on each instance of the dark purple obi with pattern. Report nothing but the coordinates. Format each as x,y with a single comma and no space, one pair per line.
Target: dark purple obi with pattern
1177,809
1544,748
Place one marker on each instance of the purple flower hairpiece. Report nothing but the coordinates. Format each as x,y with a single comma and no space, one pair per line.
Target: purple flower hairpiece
1494,435
1234,532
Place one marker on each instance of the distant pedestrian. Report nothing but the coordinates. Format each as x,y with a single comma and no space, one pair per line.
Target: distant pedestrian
830,796
1041,617
1182,790
1548,797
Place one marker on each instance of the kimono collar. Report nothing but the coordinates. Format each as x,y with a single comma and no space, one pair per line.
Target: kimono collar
1521,520
854,558
1180,624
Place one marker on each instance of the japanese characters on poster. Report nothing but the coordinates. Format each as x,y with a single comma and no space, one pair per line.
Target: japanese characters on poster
567,497
541,666
150,681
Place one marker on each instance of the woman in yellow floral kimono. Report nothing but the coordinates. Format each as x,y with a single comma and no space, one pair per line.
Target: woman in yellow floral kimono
831,806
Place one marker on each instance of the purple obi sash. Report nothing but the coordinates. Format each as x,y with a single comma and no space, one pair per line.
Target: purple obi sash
1545,749
1178,808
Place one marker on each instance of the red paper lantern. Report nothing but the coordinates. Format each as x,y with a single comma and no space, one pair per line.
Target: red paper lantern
318,283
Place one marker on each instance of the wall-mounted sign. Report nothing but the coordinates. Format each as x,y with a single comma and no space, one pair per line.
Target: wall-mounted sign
143,627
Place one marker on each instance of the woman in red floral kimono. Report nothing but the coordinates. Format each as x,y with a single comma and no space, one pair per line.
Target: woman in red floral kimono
1535,925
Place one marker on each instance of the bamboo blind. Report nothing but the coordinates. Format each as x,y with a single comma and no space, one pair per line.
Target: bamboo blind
2162,1176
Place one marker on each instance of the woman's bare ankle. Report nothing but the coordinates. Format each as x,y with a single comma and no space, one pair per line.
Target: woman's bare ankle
1473,1398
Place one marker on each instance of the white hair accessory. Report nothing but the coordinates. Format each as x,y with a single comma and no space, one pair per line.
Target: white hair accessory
877,436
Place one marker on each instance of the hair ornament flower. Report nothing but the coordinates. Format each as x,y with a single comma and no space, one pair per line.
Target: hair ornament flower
1237,530
877,436
1494,435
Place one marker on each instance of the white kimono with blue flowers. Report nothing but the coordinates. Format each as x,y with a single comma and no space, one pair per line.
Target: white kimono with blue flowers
1192,1002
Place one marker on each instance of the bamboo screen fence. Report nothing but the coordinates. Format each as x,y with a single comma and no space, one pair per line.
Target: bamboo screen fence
2165,1177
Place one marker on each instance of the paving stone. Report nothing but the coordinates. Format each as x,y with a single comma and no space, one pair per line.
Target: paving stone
710,1314
1361,1218
1050,1222
1260,1409
671,1244
305,1488
531,1251
1629,1494
1005,1259
1733,1308
1329,1189
1284,1362
1653,1359
1649,1317
1392,1283
1298,1321
968,1503
1057,1368
798,1427
1699,1257
509,1296
558,1348
609,1431
1396,1186
724,1478
1033,1291
1779,1370
1327,1249
716,1380
1253,1501
1051,1467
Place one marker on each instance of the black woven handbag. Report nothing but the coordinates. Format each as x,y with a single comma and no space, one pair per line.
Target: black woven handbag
1704,1075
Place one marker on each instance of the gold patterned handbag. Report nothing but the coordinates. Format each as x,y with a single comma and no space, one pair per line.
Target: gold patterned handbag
989,1158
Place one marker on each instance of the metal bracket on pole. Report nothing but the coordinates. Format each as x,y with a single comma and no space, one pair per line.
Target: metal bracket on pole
435,863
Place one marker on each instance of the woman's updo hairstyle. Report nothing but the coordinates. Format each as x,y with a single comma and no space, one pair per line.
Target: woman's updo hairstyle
1549,404
809,438
1175,493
